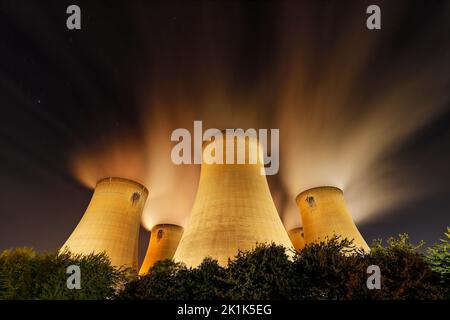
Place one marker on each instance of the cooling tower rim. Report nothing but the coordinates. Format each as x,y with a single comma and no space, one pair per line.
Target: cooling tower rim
160,225
125,180
294,229
297,198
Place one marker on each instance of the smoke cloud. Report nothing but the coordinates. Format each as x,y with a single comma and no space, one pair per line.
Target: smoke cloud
344,98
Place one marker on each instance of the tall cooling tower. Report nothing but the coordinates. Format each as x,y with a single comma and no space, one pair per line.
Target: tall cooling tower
164,241
297,238
111,222
233,209
325,214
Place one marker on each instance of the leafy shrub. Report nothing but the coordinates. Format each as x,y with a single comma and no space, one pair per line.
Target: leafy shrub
209,281
262,274
405,271
159,284
333,269
439,260
168,280
26,275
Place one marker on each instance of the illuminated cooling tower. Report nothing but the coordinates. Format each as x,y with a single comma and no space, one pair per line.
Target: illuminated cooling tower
233,209
164,241
297,238
111,222
325,214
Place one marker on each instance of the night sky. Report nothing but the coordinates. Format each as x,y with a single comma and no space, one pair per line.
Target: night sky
80,105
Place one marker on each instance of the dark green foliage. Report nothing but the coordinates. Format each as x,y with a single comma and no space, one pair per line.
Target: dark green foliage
329,270
207,282
264,273
260,274
26,275
405,271
169,280
439,259
160,284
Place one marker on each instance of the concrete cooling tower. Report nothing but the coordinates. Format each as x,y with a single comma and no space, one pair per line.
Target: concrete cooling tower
111,222
297,238
325,214
233,209
164,241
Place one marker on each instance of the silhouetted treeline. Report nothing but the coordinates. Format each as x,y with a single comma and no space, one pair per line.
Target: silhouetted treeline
329,270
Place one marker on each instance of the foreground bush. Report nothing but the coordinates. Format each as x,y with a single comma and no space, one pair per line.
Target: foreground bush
173,281
260,274
26,275
329,270
439,259
405,271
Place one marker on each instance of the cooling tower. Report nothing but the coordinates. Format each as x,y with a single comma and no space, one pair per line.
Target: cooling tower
297,238
325,214
164,241
233,209
111,222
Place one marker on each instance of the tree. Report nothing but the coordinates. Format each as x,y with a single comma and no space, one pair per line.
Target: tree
332,269
161,283
26,275
209,281
263,273
439,260
405,274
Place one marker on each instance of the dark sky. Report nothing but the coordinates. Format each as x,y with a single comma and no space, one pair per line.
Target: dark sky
62,90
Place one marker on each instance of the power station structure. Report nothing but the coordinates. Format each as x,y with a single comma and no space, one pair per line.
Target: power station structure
233,209
111,222
297,237
324,214
164,239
